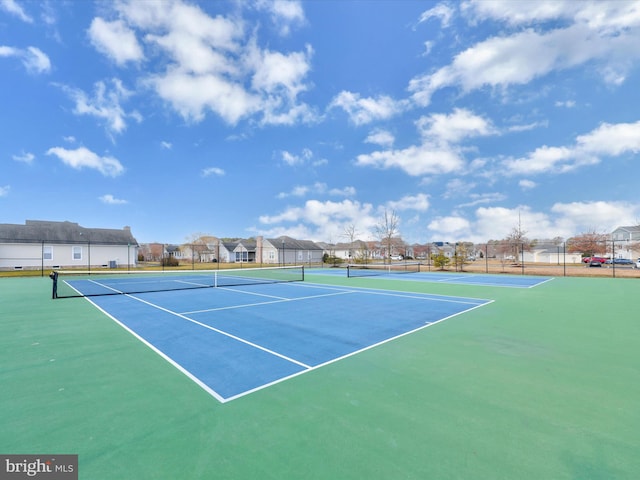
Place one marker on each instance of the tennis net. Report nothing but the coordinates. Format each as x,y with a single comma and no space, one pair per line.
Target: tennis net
72,283
370,269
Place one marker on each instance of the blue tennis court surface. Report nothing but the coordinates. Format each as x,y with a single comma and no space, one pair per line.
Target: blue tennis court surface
235,340
480,279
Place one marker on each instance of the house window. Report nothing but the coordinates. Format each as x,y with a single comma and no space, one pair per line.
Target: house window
76,253
47,253
272,255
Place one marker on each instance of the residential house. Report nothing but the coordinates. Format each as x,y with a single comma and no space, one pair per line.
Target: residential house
626,242
245,251
45,244
355,251
226,250
550,252
286,250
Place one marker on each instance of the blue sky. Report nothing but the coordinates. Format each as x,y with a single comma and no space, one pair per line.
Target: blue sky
238,119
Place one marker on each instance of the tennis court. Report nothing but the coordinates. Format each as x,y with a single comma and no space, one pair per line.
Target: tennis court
416,272
330,377
242,338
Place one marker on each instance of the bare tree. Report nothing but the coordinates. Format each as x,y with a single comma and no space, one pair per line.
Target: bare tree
199,245
517,242
387,230
350,234
588,244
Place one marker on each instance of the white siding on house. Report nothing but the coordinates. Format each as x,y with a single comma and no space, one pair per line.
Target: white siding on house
34,255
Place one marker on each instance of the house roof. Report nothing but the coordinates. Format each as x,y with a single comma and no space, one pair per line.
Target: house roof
356,245
292,244
634,229
63,232
248,244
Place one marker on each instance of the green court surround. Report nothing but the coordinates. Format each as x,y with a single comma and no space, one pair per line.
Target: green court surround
541,384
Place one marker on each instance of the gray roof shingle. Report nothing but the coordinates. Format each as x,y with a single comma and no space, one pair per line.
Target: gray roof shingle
34,231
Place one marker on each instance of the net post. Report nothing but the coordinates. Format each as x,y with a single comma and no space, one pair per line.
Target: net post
54,291
303,273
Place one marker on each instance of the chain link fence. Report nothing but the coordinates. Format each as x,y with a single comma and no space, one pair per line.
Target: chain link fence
606,259
609,258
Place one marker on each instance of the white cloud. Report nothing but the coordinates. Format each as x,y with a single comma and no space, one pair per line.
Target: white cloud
527,184
602,216
566,103
284,14
106,104
166,145
12,7
215,64
496,223
458,187
111,200
343,192
24,158
318,220
441,128
438,153
293,160
608,140
381,137
441,11
521,12
527,126
520,57
4,191
366,110
115,40
419,202
480,198
561,220
414,160
452,227
297,191
318,188
84,158
193,95
428,46
598,15
34,60
213,171
274,71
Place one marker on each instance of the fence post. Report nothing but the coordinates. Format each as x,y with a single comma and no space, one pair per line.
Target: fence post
486,257
613,257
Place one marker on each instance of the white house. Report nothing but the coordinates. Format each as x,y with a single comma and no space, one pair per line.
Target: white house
43,244
626,242
549,252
